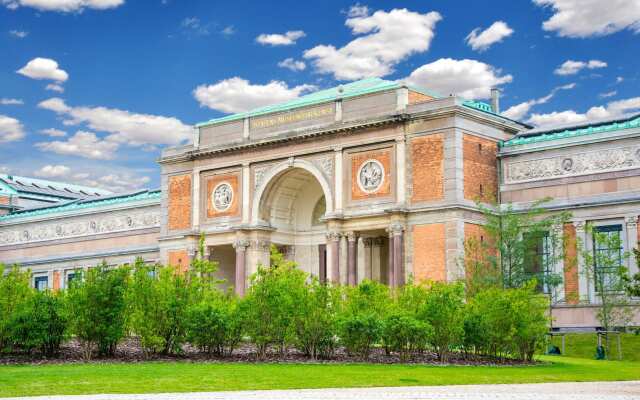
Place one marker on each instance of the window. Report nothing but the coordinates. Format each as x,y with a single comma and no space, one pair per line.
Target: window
607,256
540,265
41,283
71,276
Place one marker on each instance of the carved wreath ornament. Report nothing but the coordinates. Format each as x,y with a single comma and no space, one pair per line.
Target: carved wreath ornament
370,176
222,197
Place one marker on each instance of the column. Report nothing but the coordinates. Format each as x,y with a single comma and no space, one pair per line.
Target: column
376,259
322,263
631,223
352,255
391,276
367,267
583,278
401,164
398,254
246,192
337,178
333,244
241,266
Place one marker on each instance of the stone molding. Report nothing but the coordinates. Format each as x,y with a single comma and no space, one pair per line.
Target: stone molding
334,236
583,163
96,225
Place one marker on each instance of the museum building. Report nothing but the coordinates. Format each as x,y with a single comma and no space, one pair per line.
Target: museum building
368,180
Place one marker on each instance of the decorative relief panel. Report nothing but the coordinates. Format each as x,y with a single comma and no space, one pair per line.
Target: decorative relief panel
607,160
371,174
101,224
325,164
222,195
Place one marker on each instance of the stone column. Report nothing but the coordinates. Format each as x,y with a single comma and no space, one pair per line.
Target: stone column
391,276
631,223
333,244
352,255
376,259
322,263
367,259
401,189
583,279
398,254
241,266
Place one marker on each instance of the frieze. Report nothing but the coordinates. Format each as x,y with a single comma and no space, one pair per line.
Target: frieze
598,161
37,232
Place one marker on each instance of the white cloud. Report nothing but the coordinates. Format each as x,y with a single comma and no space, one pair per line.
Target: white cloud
11,102
55,87
359,10
18,34
520,110
228,30
293,65
388,38
585,18
613,109
482,40
193,25
53,132
276,39
608,94
63,5
82,144
619,79
44,68
466,78
52,171
124,126
10,129
122,182
571,67
237,95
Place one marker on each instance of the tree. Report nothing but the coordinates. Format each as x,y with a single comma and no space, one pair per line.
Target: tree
15,290
632,283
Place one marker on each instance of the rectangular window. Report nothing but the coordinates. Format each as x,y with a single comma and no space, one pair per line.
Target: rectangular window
71,276
607,257
41,283
540,265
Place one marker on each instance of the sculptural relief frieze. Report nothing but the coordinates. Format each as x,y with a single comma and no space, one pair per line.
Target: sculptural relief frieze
105,223
598,161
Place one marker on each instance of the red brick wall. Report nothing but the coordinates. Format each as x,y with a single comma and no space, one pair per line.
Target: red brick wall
212,182
179,202
4,200
180,259
571,279
56,280
429,252
480,169
384,157
427,168
417,97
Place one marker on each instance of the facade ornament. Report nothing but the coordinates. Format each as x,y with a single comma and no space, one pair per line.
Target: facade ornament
395,229
261,245
258,175
241,244
631,221
325,164
370,175
351,236
379,241
290,161
368,242
333,236
579,225
222,196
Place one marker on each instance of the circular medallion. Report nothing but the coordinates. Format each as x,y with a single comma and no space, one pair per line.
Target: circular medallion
222,196
567,164
370,176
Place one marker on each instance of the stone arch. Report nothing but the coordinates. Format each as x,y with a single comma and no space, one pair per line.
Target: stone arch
282,168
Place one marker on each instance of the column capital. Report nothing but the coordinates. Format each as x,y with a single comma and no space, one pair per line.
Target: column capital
395,229
337,149
579,225
368,242
631,221
263,245
333,236
241,245
351,236
401,139
191,251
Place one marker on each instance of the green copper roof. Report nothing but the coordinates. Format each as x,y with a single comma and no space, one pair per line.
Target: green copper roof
576,131
85,204
357,88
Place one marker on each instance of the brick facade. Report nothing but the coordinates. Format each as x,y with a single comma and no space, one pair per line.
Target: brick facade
417,97
179,202
383,156
212,182
56,280
480,169
429,252
179,259
427,166
571,278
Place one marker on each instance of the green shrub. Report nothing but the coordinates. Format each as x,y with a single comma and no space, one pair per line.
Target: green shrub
360,331
443,310
15,290
40,323
405,334
97,308
214,325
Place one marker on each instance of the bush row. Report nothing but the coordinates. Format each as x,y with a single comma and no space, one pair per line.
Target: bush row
284,308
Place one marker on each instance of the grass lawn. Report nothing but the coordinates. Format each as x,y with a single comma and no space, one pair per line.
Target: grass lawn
583,345
156,377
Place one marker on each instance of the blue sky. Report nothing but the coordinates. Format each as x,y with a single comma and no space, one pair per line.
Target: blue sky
91,90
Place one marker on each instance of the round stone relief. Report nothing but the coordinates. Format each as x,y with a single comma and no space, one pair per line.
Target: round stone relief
370,176
567,164
222,196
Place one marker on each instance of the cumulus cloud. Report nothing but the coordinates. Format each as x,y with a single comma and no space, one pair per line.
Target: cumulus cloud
608,94
53,132
82,144
18,34
571,67
358,10
387,39
520,110
586,18
123,126
52,171
466,78
10,129
11,102
237,95
44,68
293,65
63,5
277,39
54,87
614,109
481,40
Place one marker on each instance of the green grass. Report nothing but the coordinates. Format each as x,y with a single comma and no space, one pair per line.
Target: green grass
583,345
156,377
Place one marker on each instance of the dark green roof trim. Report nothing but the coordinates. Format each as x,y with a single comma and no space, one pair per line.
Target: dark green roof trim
631,123
85,204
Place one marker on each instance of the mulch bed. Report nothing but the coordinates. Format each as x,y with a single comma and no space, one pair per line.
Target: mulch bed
129,351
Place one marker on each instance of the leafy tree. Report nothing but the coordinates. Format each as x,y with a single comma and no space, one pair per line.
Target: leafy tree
97,308
214,324
360,331
632,283
405,334
15,290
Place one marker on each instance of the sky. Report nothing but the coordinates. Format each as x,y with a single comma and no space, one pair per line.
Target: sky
92,90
